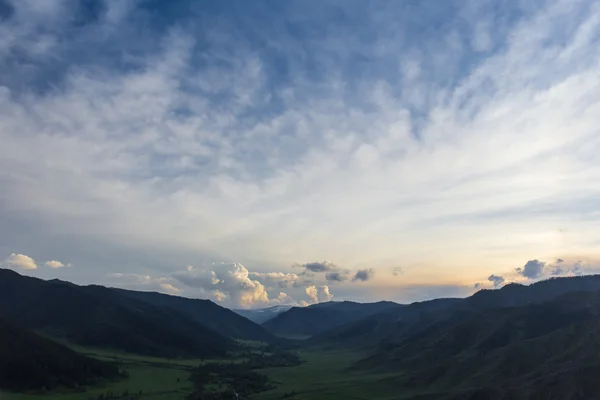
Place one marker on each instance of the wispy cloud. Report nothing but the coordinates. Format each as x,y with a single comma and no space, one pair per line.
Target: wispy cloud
365,134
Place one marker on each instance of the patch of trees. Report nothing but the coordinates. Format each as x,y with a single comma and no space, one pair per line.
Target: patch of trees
238,380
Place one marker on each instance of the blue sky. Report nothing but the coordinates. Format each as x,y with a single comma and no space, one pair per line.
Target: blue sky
268,152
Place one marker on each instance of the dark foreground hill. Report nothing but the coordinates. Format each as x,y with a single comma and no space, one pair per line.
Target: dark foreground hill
101,317
218,318
537,351
318,318
30,362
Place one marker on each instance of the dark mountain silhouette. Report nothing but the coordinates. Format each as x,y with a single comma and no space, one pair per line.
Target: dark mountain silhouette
370,331
102,317
515,294
31,362
262,315
536,351
394,323
318,318
220,319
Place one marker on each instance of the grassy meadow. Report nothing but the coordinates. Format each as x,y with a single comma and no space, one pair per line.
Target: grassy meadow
323,375
326,375
157,378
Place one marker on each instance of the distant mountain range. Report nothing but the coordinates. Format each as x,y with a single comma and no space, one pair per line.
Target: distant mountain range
262,315
307,321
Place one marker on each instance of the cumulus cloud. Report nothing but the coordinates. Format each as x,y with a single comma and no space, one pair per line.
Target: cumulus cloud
363,275
19,261
55,264
279,279
226,281
143,282
477,286
533,269
318,294
496,280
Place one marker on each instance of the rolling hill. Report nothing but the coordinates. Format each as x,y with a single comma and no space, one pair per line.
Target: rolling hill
318,318
31,362
101,317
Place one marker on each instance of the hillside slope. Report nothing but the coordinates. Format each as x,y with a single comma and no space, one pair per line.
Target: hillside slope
30,362
98,316
218,318
537,351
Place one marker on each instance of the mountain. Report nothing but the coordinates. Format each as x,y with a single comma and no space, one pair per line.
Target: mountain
535,351
102,317
31,362
396,322
515,294
318,318
262,315
218,318
373,329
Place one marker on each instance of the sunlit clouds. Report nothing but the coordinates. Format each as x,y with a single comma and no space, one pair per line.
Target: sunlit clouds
303,153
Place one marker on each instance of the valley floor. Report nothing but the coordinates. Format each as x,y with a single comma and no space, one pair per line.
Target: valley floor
326,375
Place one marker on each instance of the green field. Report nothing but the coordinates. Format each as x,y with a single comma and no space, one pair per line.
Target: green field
326,375
323,375
158,379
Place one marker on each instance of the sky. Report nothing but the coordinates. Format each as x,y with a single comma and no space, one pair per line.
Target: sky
293,152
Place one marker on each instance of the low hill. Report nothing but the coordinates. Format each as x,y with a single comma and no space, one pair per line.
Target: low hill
262,315
537,351
31,362
318,318
218,318
98,316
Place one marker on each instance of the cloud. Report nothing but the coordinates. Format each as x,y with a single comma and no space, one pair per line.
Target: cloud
363,275
533,269
397,271
55,264
318,266
182,141
318,294
143,282
477,286
20,261
278,279
336,276
226,281
496,280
